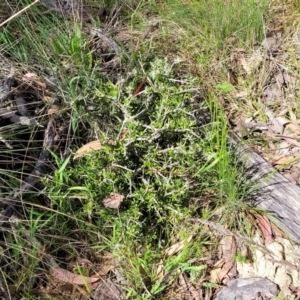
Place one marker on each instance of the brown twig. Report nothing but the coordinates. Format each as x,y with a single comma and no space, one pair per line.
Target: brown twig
140,86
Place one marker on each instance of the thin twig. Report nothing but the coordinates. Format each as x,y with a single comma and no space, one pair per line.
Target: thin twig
19,12
4,290
140,86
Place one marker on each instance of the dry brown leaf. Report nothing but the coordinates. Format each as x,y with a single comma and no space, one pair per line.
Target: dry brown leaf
177,247
114,200
226,263
89,147
192,289
265,227
160,270
107,290
283,121
69,277
108,264
221,269
286,138
244,63
292,127
282,160
32,78
226,268
229,249
290,140
277,126
84,261
186,289
124,134
40,84
53,110
218,264
48,99
228,245
182,286
214,273
277,231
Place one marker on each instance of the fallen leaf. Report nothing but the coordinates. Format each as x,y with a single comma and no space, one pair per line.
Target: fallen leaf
107,290
177,247
244,63
265,227
160,270
269,42
227,254
139,87
282,160
69,277
48,99
292,127
228,245
108,264
124,134
289,140
229,264
276,231
214,273
32,79
186,288
192,289
277,126
84,261
286,138
113,200
87,148
40,84
182,286
282,120
53,110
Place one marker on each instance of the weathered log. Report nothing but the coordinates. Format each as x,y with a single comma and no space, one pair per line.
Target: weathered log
271,190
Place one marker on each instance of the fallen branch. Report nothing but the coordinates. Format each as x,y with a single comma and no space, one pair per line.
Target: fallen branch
272,191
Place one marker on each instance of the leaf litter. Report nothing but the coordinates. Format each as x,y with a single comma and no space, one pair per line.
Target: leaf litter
275,93
276,89
114,200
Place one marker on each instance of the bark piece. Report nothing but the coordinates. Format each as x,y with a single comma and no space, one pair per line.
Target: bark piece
271,190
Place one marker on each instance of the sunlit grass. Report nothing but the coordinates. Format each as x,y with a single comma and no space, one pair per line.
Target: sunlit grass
156,151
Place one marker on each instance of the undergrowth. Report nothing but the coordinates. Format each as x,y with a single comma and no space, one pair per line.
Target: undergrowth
163,137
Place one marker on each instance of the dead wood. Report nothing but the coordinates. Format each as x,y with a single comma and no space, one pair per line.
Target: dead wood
271,190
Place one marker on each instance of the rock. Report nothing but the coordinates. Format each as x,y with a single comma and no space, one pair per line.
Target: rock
248,289
278,262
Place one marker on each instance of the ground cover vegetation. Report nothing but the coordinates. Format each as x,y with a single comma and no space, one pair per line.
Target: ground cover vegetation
141,155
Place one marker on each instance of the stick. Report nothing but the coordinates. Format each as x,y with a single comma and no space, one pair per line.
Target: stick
19,12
